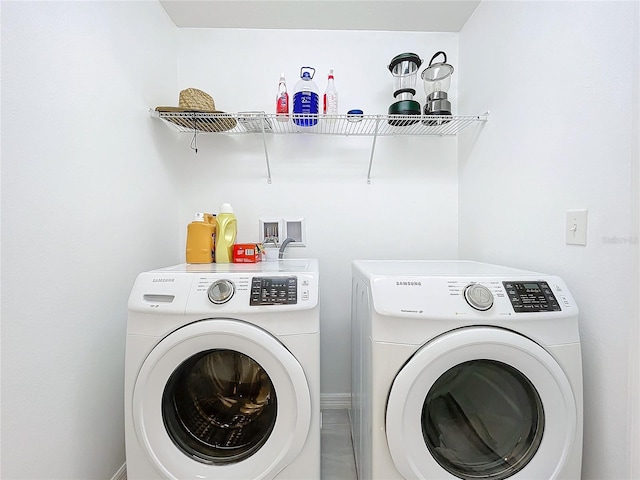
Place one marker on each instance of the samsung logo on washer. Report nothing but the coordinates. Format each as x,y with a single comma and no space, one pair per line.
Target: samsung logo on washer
163,280
408,284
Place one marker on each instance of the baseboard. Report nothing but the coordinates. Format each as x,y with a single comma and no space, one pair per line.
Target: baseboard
328,401
335,401
121,474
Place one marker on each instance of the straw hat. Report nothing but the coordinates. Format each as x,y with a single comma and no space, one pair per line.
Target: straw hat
197,101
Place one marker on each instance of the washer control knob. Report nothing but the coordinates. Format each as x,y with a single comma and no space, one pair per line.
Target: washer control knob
478,296
221,291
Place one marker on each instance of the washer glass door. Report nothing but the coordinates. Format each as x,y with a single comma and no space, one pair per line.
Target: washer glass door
482,419
219,406
221,398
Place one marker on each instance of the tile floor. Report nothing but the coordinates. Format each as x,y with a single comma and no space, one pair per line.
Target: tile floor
337,450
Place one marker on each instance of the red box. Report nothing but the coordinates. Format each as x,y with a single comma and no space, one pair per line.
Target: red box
247,253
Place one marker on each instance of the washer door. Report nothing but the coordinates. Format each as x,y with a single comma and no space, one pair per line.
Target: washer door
221,398
481,402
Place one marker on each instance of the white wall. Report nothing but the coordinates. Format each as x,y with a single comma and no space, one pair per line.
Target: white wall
561,81
88,201
408,211
100,191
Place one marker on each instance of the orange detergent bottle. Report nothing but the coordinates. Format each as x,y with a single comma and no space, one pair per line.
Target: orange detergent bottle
200,238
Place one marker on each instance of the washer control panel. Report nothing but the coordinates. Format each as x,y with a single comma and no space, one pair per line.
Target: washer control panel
274,290
531,296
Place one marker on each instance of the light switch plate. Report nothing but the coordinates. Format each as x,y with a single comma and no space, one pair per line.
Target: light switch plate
576,227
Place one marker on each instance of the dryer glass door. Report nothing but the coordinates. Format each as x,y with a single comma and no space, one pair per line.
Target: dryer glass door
482,419
219,406
481,402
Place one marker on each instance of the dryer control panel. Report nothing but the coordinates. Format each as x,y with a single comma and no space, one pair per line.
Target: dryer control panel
531,296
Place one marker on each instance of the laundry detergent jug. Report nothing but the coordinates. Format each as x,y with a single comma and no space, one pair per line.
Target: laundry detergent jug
200,238
225,234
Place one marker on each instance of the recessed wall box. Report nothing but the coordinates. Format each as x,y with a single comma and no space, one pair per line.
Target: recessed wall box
294,228
272,228
279,229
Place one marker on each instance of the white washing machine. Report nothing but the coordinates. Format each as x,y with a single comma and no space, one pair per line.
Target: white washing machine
464,370
222,372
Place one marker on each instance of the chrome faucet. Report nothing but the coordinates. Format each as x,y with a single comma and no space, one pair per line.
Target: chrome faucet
273,240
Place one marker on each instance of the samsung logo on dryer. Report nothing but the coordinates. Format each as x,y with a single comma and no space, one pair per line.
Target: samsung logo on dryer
408,284
163,280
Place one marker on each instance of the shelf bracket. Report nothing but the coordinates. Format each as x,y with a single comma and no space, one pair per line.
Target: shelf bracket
266,152
373,148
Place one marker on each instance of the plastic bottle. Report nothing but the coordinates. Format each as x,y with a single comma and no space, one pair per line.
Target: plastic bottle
200,235
225,234
306,99
282,101
211,219
330,96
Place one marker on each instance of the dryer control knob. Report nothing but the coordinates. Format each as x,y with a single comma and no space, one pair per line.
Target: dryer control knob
478,296
221,291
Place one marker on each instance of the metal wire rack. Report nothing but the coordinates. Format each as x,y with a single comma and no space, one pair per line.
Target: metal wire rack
347,125
360,125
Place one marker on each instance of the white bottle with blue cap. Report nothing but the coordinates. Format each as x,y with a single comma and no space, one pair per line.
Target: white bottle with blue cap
306,99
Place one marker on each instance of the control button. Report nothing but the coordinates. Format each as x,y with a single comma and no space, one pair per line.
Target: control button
478,296
305,295
221,291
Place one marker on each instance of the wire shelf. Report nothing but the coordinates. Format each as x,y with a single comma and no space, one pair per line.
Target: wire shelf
267,124
347,125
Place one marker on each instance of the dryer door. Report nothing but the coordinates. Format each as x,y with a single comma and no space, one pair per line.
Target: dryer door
221,398
481,402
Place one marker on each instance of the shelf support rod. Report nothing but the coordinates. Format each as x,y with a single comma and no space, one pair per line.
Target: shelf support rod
373,148
266,152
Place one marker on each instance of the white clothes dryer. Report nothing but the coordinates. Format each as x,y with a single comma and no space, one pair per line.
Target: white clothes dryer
464,370
222,372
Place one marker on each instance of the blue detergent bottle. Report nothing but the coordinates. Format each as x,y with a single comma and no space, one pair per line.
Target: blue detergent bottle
306,99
